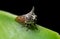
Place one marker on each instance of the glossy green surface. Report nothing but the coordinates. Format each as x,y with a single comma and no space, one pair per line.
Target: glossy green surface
10,29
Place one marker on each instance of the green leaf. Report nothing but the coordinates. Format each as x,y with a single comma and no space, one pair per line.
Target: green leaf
10,29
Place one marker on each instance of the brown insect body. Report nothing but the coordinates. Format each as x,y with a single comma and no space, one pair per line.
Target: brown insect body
21,19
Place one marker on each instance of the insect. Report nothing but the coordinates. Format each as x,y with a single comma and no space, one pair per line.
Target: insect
28,19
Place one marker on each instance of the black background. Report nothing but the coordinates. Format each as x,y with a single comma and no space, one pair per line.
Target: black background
47,12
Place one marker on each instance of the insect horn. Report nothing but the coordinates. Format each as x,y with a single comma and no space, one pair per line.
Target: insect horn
32,11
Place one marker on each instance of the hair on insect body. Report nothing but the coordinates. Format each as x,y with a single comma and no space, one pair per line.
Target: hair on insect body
28,19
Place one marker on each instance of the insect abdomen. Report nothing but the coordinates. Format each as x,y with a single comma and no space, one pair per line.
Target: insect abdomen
20,19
